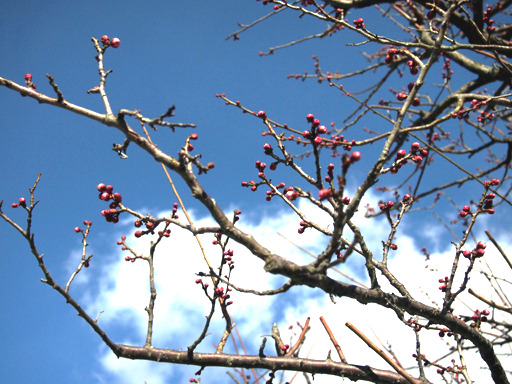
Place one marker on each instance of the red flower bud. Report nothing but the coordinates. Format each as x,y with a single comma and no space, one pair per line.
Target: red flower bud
324,193
115,42
355,156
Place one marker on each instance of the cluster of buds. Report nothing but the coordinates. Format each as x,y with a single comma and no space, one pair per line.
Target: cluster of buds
457,369
303,226
485,117
477,252
318,71
313,134
203,284
491,183
399,161
84,236
252,184
416,154
124,247
330,174
422,357
475,103
219,292
228,259
326,193
338,141
488,21
260,166
479,317
22,202
447,71
218,236
465,211
268,150
291,194
121,242
444,283
445,332
461,114
107,194
401,96
150,227
236,215
359,23
271,193
417,326
165,233
339,13
413,67
174,211
86,223
114,42
386,206
392,55
436,137
488,202
190,146
347,145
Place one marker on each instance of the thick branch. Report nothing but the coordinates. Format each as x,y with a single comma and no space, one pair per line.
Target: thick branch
328,367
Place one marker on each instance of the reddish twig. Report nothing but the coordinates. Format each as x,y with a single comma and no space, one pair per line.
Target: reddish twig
333,340
382,354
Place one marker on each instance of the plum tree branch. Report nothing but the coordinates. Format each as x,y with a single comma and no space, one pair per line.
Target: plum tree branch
433,31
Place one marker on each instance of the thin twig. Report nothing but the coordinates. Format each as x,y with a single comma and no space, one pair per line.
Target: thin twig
462,360
501,251
300,340
333,340
382,354
490,302
60,97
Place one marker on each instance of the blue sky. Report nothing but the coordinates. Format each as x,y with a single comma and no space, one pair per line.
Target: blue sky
169,54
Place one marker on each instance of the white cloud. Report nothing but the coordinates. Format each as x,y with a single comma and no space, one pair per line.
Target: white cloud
181,305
